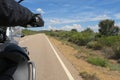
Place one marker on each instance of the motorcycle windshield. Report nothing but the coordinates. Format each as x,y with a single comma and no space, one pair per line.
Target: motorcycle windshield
14,34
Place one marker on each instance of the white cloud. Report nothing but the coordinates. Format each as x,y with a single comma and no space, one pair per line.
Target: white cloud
94,28
117,16
70,21
94,18
74,26
67,27
39,10
55,21
51,28
63,21
100,17
117,24
86,17
82,19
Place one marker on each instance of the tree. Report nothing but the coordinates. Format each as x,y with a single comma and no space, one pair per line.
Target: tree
89,30
116,30
74,30
107,27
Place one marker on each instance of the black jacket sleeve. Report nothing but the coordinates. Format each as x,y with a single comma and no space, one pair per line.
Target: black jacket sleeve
13,14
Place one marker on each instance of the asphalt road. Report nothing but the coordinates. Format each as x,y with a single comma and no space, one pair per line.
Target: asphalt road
50,63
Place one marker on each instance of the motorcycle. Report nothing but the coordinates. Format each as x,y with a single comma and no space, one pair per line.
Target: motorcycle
10,50
26,69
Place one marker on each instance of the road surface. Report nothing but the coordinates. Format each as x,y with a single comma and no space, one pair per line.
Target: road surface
50,63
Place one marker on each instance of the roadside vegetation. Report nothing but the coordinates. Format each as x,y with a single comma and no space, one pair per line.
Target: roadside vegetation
101,49
106,41
87,76
29,32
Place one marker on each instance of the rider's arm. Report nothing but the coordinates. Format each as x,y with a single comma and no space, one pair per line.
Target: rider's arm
13,14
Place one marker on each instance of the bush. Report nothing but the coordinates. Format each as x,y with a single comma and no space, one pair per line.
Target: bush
112,52
87,76
114,67
109,41
29,32
94,45
116,49
108,52
81,38
50,33
97,61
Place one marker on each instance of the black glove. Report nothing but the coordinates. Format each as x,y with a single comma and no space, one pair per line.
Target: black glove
36,21
2,34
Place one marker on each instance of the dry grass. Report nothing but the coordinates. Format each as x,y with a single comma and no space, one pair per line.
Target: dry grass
81,64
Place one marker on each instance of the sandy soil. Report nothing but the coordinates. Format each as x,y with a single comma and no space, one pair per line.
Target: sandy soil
81,65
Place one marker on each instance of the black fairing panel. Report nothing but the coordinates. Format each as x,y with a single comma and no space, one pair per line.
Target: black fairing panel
15,53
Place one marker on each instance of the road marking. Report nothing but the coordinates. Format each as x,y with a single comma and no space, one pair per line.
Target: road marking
61,62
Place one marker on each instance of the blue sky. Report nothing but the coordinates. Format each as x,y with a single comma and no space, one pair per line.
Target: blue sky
79,14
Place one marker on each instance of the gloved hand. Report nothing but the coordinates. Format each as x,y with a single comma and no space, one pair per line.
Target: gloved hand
36,21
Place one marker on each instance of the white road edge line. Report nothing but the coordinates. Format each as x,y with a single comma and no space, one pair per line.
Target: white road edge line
61,62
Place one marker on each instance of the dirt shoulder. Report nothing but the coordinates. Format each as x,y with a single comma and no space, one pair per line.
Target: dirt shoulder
81,65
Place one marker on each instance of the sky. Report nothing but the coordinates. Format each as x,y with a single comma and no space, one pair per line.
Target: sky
74,14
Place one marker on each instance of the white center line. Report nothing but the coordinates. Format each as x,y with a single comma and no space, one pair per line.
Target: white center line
61,62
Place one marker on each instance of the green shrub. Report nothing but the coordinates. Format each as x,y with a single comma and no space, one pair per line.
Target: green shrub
97,61
109,41
108,52
81,38
116,49
87,37
75,38
112,52
29,32
94,45
87,76
115,67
